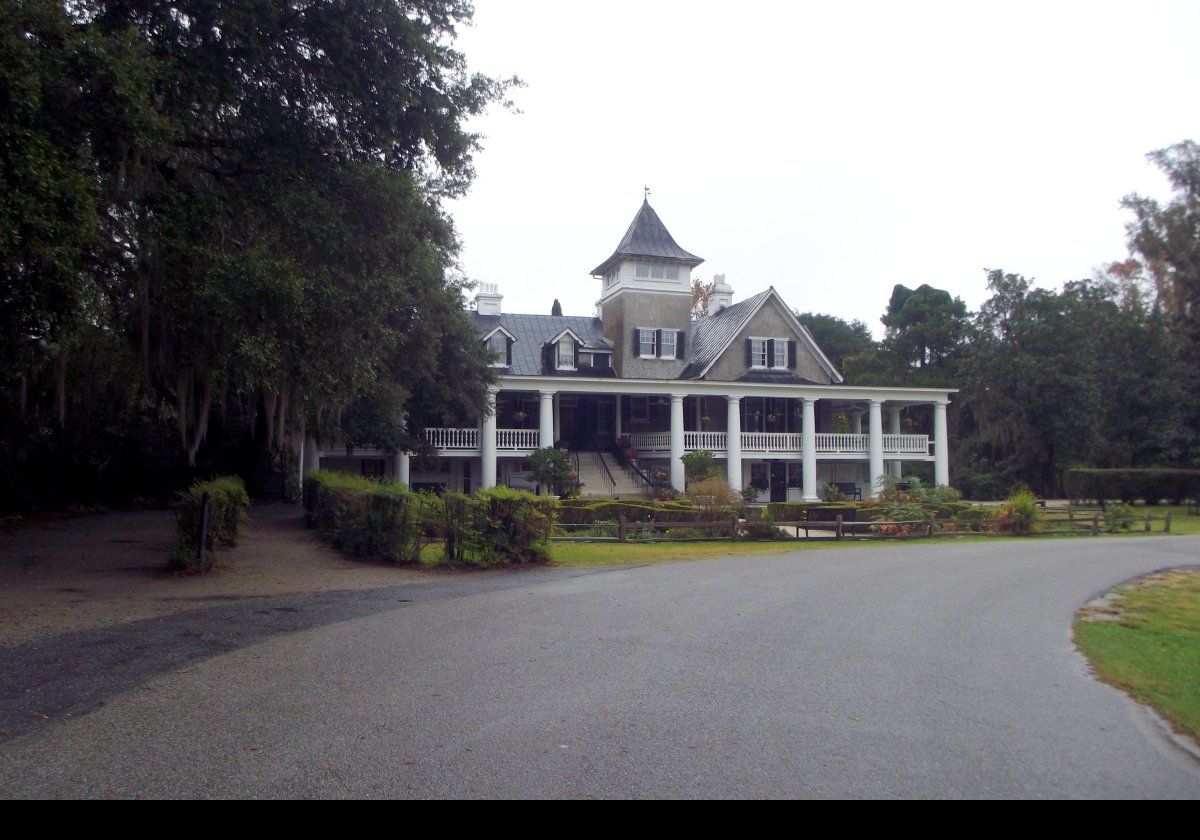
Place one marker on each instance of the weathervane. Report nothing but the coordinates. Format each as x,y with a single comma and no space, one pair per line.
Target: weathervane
647,191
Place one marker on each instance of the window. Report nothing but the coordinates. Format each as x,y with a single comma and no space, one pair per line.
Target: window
781,353
667,351
646,340
657,271
639,409
793,476
601,360
498,344
566,354
760,475
758,352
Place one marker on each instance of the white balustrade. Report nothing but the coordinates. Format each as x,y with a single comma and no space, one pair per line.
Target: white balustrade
770,442
841,443
651,441
709,441
453,439
906,444
517,439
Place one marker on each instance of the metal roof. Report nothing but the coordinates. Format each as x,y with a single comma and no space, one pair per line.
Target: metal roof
531,332
647,237
713,333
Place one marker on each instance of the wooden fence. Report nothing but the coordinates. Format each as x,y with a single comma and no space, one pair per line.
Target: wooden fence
1069,523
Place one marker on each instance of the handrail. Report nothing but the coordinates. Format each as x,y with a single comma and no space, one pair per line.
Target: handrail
608,476
629,467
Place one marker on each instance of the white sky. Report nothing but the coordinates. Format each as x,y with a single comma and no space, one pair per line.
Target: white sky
829,149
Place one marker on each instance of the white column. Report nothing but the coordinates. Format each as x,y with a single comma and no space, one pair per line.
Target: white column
733,443
401,468
808,450
487,443
677,474
941,445
557,400
617,418
876,446
894,467
545,419
855,422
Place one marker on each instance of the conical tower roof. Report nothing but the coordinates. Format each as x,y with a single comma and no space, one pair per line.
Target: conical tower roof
648,237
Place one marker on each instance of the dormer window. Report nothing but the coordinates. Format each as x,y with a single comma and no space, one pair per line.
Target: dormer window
566,353
758,352
499,345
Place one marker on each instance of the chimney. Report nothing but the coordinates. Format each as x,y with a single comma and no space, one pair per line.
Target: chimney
487,299
722,295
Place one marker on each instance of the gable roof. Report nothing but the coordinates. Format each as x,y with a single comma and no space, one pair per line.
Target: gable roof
647,237
531,332
713,334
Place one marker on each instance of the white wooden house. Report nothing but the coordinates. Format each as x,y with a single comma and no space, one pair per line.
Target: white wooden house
745,382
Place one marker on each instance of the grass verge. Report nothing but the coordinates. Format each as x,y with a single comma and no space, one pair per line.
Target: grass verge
1145,638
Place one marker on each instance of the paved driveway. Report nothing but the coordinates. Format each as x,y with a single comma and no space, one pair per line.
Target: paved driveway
887,671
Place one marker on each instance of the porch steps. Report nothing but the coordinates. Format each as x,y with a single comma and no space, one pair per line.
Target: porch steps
595,481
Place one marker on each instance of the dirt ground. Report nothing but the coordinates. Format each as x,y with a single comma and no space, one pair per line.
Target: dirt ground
105,569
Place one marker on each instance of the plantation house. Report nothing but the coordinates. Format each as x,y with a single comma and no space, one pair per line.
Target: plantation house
634,388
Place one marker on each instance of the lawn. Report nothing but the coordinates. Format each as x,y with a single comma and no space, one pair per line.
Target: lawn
1147,642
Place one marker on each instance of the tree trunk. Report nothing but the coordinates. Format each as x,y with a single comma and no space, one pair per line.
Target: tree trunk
60,386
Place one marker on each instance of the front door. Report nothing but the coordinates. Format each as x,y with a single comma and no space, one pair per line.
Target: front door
778,481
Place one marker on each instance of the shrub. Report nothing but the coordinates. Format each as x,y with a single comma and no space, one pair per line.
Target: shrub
760,525
712,494
1149,484
507,526
699,466
381,520
1118,518
1020,514
833,494
227,513
551,468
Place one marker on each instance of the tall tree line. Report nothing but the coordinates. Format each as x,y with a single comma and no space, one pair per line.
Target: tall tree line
1102,373
221,228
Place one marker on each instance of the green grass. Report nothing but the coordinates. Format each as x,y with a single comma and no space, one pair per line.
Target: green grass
1150,644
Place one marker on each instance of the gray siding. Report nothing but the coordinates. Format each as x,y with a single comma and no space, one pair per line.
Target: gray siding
768,322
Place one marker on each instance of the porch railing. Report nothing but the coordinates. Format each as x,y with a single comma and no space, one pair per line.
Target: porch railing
453,439
517,438
836,443
770,442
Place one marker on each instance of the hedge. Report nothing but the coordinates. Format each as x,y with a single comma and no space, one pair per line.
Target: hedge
1149,484
605,511
388,521
381,520
228,504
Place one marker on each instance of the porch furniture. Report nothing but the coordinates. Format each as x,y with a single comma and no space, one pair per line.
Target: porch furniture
850,490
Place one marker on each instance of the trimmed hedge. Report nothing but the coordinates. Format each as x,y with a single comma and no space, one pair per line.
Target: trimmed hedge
1149,484
376,519
228,504
388,521
603,511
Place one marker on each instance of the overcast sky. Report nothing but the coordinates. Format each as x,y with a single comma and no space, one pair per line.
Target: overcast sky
829,149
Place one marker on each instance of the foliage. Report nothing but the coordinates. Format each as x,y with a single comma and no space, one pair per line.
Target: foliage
699,466
551,469
250,237
377,520
833,494
388,521
227,513
712,494
760,525
1019,514
1148,484
837,338
1118,518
